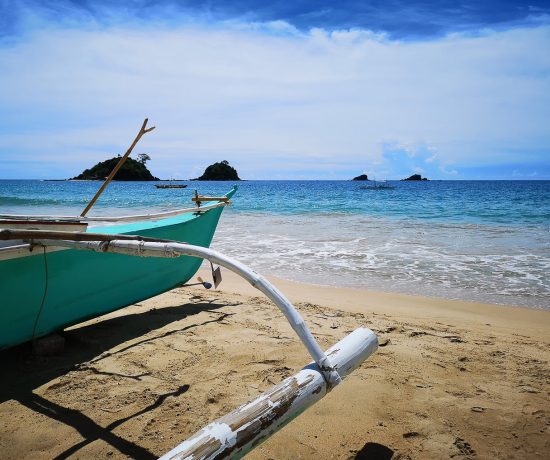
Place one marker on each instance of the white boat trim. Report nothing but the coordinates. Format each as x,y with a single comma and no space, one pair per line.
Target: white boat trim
20,249
131,218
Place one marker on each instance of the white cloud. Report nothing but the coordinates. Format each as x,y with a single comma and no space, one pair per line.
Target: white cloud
447,171
432,158
269,95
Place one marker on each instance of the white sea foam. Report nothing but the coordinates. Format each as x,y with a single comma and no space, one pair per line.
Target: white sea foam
462,261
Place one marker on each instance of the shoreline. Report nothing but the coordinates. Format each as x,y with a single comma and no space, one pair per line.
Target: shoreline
459,261
362,300
480,242
405,293
451,379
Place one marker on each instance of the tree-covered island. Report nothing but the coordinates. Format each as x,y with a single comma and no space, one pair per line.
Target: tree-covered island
131,170
219,171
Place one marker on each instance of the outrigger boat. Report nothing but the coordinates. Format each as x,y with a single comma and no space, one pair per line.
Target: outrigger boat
171,186
56,272
45,289
380,185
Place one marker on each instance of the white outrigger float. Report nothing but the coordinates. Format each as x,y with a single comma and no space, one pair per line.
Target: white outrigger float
238,432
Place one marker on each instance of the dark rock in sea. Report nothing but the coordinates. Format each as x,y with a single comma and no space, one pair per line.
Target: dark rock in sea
415,177
131,170
219,171
361,177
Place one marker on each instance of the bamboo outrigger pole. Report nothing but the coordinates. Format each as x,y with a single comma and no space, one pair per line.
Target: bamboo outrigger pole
236,433
142,131
173,249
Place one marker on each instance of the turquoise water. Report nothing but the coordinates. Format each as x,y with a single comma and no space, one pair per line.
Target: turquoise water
472,240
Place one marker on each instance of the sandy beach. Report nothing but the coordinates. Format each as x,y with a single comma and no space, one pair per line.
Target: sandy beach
384,164
451,379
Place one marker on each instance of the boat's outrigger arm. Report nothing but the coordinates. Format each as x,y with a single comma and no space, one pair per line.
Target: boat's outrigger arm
238,432
141,248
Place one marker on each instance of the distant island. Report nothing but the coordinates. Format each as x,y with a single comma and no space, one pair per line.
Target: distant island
219,171
131,170
415,177
361,177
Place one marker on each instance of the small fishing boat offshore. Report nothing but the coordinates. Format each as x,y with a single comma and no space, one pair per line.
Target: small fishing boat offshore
377,185
56,272
170,185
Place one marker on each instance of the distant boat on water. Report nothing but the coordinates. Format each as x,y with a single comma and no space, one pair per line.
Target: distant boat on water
377,186
170,185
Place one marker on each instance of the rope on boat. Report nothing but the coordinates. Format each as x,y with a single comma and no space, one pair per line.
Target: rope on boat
43,301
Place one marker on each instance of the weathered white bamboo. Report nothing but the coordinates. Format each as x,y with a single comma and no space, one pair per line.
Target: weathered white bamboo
175,249
238,432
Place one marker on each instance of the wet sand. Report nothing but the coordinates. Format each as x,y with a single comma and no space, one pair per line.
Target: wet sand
450,379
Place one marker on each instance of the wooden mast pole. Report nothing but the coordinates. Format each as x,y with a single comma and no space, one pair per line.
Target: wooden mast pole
142,131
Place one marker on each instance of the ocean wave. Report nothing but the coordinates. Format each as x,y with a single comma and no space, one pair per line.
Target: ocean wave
38,201
465,263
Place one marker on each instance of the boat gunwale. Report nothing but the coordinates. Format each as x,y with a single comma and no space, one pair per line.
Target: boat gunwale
23,249
128,218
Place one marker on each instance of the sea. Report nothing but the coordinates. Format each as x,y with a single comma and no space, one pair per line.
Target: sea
485,241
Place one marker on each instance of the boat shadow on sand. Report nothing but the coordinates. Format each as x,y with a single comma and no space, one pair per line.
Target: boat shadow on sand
23,372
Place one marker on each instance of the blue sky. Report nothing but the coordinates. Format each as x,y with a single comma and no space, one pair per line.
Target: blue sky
282,90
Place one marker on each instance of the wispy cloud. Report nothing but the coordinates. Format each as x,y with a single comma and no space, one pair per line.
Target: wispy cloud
264,95
399,19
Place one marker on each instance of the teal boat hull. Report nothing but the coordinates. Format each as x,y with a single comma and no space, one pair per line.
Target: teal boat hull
49,291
